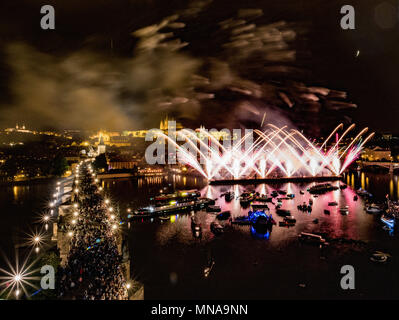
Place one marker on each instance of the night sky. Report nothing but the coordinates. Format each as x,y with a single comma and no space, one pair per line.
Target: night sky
325,56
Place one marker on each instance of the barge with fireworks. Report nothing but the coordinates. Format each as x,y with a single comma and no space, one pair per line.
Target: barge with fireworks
256,181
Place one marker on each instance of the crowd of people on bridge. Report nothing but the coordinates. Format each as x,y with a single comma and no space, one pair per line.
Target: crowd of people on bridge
94,269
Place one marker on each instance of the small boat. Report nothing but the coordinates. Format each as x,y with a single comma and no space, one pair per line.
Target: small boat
195,225
208,269
259,205
303,207
261,220
332,203
207,201
286,224
316,221
228,196
326,211
241,220
388,220
282,192
301,192
355,198
216,228
290,219
223,215
246,198
310,202
213,209
263,198
343,186
164,218
311,238
363,193
283,212
380,257
274,193
373,208
291,196
344,210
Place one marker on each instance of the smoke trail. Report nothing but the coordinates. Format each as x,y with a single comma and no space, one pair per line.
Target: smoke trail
224,72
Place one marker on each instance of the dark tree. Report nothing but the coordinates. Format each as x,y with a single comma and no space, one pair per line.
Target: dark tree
101,162
60,165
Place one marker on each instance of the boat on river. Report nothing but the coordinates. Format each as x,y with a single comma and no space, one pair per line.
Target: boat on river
322,188
311,238
363,193
259,205
208,268
223,215
169,209
228,196
283,212
212,208
344,210
246,198
373,208
241,220
217,228
178,196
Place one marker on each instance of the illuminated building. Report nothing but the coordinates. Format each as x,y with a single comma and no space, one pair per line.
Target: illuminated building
101,146
376,154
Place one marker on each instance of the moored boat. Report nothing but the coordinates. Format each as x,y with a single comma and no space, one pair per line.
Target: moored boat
311,238
241,220
322,188
217,228
246,198
344,210
259,205
283,212
363,193
228,196
223,215
290,219
388,220
213,209
373,208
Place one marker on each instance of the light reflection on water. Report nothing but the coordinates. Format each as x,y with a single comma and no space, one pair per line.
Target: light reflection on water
242,256
356,225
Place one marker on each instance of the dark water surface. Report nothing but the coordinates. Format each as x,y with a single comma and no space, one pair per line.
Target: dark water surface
170,261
